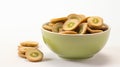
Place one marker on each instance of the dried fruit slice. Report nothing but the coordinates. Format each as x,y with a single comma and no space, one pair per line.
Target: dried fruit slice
21,54
68,32
50,24
25,49
57,26
29,44
47,27
82,16
56,20
75,16
61,29
95,22
83,28
34,55
104,27
71,24
85,20
93,31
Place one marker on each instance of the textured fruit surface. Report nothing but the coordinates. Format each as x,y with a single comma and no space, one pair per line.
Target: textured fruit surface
61,19
34,55
83,28
71,24
76,23
95,22
57,27
29,44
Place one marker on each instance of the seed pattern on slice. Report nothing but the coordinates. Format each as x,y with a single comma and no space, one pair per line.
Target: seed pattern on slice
34,55
78,23
70,24
29,50
95,22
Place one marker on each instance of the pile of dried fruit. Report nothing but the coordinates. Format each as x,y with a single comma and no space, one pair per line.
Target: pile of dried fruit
30,51
76,24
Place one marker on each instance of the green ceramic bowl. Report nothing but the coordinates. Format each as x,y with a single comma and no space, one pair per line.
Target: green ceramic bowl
75,46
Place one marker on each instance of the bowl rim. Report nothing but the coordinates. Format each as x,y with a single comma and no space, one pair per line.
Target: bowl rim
109,28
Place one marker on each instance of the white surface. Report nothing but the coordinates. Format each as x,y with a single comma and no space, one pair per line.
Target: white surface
21,20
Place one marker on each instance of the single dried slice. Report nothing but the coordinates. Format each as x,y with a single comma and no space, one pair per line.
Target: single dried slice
47,27
29,43
68,32
94,31
56,20
71,24
83,28
21,54
76,16
51,24
95,22
34,55
20,46
57,27
82,17
104,27
61,29
85,20
25,49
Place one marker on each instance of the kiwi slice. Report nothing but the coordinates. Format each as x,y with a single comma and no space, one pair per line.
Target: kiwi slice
29,43
84,20
50,24
68,32
104,27
22,55
95,22
94,31
57,27
24,49
82,17
47,27
83,28
56,20
76,16
34,55
71,24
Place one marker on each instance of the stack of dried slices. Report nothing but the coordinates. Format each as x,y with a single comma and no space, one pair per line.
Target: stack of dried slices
30,51
76,24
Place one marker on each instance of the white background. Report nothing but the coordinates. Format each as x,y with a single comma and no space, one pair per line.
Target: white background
21,20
